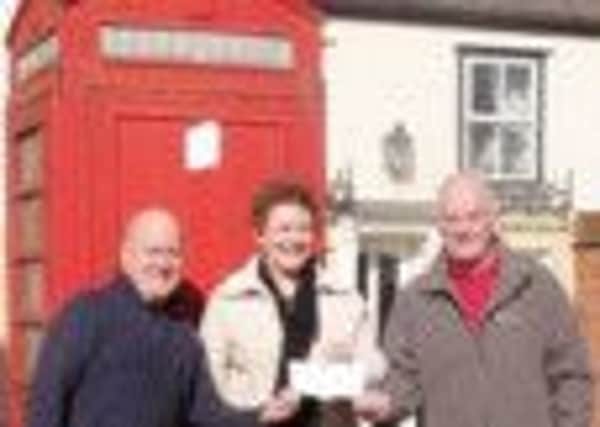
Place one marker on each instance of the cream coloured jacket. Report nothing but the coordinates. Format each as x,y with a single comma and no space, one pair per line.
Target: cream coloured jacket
242,333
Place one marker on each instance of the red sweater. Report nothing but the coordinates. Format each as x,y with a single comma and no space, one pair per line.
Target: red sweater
473,284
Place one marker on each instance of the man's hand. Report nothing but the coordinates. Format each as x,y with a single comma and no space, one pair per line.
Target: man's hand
373,405
280,407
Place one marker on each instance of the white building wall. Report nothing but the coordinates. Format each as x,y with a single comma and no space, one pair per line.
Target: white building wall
379,74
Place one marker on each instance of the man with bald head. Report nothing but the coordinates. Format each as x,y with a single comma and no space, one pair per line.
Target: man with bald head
116,357
486,337
151,254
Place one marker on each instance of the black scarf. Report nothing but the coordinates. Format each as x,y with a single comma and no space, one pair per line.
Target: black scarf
298,317
300,325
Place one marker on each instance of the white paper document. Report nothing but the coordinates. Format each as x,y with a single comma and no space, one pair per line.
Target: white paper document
327,380
203,146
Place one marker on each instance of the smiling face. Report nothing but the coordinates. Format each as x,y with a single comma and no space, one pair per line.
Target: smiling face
284,214
151,254
466,217
286,238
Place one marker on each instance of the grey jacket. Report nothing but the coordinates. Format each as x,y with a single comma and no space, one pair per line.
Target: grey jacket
527,367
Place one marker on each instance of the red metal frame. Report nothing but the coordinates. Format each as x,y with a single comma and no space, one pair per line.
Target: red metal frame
112,130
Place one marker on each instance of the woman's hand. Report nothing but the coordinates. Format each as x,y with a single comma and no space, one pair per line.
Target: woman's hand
280,407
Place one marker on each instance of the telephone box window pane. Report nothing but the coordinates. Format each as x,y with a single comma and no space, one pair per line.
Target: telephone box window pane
196,47
31,299
31,227
41,55
30,162
33,335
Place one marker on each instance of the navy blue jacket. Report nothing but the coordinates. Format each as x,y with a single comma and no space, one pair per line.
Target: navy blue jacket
112,361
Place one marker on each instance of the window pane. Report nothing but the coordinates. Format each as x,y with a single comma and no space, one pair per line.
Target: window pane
33,335
518,99
482,137
197,47
517,149
31,227
485,85
39,56
31,299
30,161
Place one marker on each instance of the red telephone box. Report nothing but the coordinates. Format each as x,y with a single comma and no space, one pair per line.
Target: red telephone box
117,104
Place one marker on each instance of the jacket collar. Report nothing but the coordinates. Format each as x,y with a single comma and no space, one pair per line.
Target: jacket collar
514,275
246,281
125,286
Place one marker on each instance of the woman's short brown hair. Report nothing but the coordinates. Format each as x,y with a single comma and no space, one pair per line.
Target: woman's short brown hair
277,192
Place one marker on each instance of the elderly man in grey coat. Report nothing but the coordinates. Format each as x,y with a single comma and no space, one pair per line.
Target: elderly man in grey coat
486,337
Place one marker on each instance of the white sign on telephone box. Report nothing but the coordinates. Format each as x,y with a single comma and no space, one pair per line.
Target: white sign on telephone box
203,146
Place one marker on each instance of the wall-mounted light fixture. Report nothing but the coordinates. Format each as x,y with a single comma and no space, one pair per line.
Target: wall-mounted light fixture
398,151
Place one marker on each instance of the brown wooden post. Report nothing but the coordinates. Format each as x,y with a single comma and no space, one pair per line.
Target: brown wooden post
587,294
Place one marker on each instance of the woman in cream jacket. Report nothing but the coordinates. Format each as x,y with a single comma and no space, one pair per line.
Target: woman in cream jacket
280,306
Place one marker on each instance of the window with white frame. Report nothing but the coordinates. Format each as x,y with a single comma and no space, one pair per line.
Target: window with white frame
501,129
